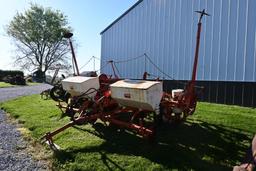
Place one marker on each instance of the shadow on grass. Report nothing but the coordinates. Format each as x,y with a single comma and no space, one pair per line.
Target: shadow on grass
197,146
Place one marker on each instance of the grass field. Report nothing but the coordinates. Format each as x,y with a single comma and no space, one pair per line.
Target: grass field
5,85
216,137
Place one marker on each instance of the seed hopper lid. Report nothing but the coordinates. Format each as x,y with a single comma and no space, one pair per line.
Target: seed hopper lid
78,79
135,84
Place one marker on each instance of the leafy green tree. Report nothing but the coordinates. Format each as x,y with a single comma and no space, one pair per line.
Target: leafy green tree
37,34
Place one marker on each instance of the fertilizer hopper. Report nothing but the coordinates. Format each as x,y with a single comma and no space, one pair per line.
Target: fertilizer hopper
141,94
78,85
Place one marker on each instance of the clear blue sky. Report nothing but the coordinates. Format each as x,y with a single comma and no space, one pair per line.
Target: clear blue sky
87,17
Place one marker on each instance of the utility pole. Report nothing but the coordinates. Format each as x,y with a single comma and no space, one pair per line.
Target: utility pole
93,62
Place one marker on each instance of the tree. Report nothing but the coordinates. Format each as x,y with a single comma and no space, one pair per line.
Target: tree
38,38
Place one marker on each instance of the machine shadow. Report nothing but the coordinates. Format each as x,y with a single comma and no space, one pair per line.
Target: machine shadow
197,146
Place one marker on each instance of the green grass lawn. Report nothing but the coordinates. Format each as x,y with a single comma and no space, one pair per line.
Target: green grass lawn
216,137
5,85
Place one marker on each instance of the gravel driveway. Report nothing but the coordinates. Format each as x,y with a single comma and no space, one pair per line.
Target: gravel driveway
13,153
13,92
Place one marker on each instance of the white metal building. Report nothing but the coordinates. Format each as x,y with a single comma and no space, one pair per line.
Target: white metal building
166,31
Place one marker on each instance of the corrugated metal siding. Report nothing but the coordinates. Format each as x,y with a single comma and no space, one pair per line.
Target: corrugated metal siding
166,31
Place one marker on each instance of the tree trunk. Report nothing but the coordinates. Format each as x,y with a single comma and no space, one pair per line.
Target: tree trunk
44,76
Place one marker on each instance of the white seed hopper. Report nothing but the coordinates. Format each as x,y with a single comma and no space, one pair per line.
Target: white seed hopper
140,94
78,85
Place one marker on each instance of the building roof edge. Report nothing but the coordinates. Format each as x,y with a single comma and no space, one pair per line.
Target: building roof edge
119,18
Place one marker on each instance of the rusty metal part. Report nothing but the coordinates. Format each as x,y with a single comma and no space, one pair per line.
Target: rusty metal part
186,101
110,117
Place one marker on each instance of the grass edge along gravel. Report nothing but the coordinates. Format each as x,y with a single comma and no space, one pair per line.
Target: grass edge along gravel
216,137
8,85
33,147
5,85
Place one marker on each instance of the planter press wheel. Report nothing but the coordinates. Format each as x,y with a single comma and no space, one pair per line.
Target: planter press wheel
57,93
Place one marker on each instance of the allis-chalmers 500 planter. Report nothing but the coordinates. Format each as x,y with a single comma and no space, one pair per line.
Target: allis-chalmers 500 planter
137,105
